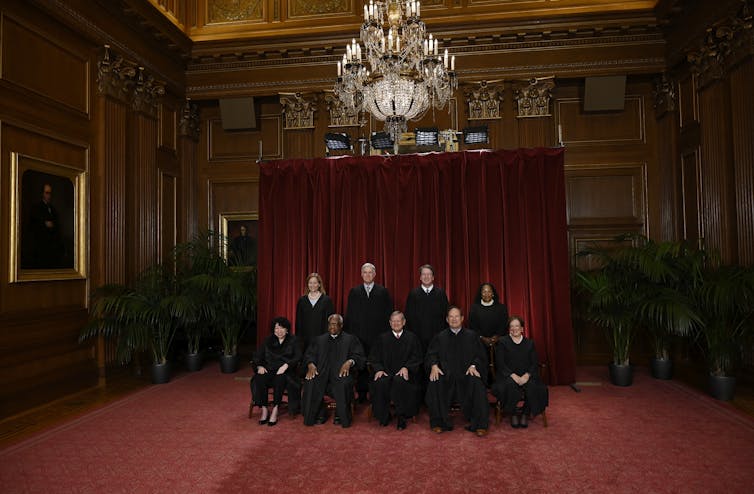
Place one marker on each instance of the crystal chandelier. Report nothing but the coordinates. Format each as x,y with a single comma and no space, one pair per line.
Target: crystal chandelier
400,74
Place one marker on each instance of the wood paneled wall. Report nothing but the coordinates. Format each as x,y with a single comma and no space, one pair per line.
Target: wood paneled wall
56,107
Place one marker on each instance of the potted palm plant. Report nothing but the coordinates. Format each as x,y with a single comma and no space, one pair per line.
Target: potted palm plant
613,297
138,317
724,297
668,270
225,296
640,283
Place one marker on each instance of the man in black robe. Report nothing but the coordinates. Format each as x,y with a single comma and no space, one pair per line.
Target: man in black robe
244,249
396,358
426,307
330,359
367,315
457,365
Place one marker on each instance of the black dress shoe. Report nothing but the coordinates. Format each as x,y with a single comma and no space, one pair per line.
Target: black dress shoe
321,420
401,423
524,422
387,420
272,424
262,422
336,420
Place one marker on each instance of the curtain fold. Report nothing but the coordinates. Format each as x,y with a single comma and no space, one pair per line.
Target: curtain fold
475,216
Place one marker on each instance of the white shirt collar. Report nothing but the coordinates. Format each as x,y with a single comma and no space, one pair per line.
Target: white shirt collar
428,288
456,331
398,334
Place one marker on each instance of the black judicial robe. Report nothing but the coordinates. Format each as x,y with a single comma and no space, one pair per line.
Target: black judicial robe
454,353
272,355
329,354
368,316
311,320
489,321
512,358
390,354
426,312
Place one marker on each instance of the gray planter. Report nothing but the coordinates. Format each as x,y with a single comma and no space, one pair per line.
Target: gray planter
229,363
661,368
194,361
621,375
160,373
722,387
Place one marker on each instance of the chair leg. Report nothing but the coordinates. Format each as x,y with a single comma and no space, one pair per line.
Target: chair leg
544,418
251,409
498,412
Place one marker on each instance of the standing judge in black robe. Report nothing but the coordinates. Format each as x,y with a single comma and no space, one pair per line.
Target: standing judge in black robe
518,371
367,315
276,362
457,367
312,310
488,316
426,307
396,358
330,359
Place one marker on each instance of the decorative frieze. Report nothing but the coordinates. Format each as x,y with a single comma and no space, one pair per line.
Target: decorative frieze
533,97
483,100
115,75
724,45
126,81
234,10
298,110
665,94
188,124
339,115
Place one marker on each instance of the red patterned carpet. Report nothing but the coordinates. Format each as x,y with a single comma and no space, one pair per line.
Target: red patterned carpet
192,436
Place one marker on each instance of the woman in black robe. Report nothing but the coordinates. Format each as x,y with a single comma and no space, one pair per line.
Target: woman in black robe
518,375
276,363
488,316
312,310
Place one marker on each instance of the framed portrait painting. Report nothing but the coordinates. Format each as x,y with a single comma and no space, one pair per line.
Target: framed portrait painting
241,231
48,220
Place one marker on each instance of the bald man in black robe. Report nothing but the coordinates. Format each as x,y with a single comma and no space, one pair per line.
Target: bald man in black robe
330,360
456,363
396,358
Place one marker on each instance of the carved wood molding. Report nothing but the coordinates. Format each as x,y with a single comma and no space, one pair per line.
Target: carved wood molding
188,124
298,110
339,116
533,97
126,81
724,45
483,99
665,94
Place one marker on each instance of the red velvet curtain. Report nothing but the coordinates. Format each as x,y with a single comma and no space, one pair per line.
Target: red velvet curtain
474,216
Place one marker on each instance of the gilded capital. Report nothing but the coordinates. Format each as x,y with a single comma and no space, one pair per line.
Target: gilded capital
533,97
298,110
483,99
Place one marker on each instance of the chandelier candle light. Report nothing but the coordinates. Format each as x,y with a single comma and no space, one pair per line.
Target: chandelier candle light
401,73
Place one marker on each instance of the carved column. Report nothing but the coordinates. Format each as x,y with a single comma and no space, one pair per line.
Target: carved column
298,122
534,118
188,134
665,104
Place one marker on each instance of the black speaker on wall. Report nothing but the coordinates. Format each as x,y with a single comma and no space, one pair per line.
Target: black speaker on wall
238,113
604,93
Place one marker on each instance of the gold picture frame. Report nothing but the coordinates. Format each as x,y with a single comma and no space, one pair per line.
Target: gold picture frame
48,240
239,253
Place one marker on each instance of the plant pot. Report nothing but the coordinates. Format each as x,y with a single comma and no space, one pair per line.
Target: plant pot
194,361
661,368
621,375
229,363
722,387
160,373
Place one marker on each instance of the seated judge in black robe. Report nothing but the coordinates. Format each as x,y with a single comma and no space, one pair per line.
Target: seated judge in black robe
457,368
312,310
426,307
330,359
276,363
367,315
517,368
396,358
